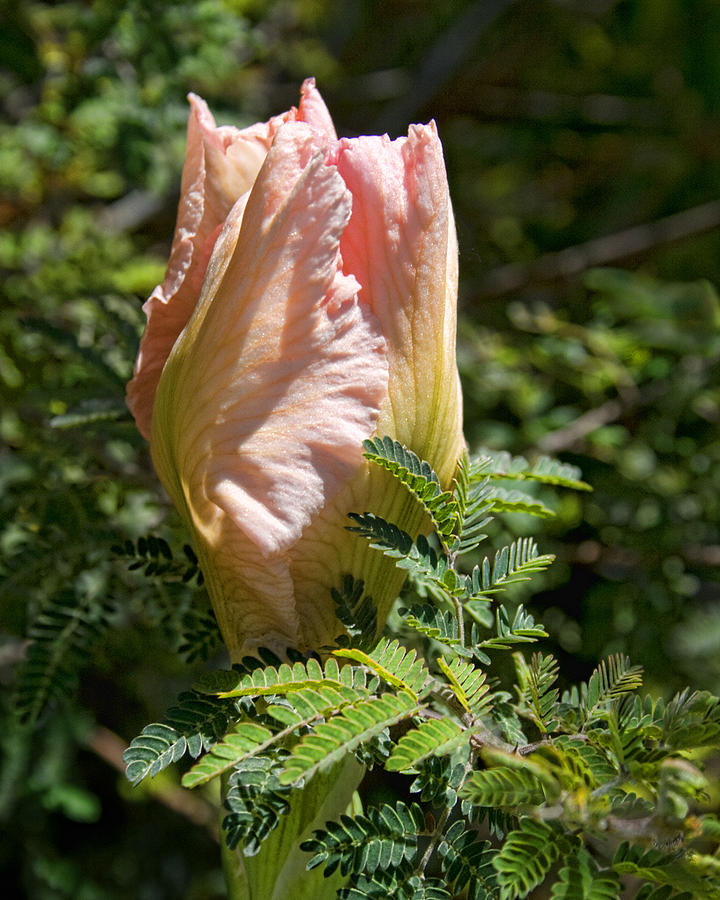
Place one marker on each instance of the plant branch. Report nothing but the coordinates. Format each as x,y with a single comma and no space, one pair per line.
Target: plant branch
602,251
110,747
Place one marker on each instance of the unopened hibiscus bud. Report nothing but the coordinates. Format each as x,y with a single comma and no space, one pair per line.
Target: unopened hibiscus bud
309,304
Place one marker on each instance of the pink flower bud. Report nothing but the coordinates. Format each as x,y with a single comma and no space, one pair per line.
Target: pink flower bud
309,303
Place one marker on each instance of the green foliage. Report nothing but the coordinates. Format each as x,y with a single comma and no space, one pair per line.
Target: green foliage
605,381
273,725
522,630
501,465
357,724
420,480
438,781
246,740
648,892
154,556
579,877
513,501
692,719
357,613
537,696
606,759
459,516
283,679
255,799
504,787
422,561
525,858
511,565
474,497
439,624
383,885
608,763
191,727
62,637
701,879
384,839
393,664
468,684
431,738
467,862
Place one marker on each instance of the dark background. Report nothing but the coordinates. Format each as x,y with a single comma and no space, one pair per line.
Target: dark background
581,141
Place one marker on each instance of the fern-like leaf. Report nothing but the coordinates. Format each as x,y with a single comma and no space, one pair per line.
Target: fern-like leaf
580,879
522,630
512,564
504,787
246,740
692,719
191,727
299,709
474,497
669,869
391,884
525,858
434,737
420,560
342,734
255,801
544,469
357,612
467,863
156,747
612,679
385,838
62,637
419,478
587,758
284,679
438,781
439,624
394,664
514,501
538,698
468,684
153,555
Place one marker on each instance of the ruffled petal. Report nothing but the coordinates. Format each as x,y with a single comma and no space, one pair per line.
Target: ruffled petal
401,246
221,166
313,111
278,377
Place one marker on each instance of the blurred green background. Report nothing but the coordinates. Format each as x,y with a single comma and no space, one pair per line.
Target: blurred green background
581,141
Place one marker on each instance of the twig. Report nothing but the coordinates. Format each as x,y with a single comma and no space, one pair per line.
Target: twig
449,50
569,435
601,251
131,211
435,837
110,747
502,102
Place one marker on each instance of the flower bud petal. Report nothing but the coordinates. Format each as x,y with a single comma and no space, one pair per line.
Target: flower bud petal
275,381
221,165
400,244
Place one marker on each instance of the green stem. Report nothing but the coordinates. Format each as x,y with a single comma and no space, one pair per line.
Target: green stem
278,871
232,866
